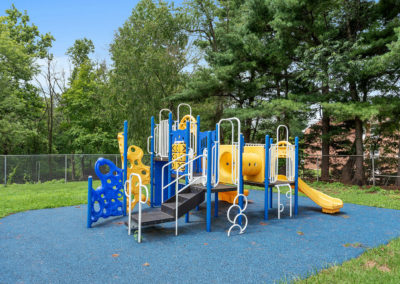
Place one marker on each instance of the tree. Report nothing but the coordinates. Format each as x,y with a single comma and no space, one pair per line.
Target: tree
149,57
21,110
79,53
367,28
234,36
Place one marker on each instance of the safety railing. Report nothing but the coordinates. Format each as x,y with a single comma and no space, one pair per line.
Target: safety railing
274,152
163,187
177,190
288,195
140,202
235,150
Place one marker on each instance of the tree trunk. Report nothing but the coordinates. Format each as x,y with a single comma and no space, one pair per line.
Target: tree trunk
347,170
326,141
247,130
359,176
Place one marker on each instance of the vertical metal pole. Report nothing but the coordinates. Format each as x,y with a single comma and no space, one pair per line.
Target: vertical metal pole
216,204
271,141
187,160
266,177
5,170
216,197
296,176
209,155
89,205
152,163
39,171
125,162
170,122
317,166
241,189
216,151
198,150
66,165
373,168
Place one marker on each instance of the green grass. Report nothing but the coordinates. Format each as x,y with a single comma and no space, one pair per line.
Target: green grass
376,265
21,197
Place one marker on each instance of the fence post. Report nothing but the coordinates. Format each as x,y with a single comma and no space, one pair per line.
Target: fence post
38,179
5,170
373,168
66,166
317,168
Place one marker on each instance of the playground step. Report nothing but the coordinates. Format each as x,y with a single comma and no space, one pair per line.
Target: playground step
186,202
156,216
219,188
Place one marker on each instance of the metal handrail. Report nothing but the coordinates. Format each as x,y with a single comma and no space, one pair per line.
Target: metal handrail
162,175
177,190
235,154
148,144
161,111
129,195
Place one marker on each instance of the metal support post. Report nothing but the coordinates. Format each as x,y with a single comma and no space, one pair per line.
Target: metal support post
66,167
266,177
209,165
373,168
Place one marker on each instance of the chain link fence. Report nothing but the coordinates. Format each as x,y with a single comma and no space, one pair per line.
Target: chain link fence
378,170
41,168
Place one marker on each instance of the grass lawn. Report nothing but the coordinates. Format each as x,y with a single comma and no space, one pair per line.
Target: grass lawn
21,197
377,265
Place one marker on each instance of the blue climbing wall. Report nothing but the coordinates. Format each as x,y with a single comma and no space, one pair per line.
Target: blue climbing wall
106,200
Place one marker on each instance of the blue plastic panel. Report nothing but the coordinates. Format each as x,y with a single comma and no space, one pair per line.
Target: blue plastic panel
107,199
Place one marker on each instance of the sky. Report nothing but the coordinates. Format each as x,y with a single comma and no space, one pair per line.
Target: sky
68,20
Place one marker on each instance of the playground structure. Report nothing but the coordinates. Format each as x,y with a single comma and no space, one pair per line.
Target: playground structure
188,165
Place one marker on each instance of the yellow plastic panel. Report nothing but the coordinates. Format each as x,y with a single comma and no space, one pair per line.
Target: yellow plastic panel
253,163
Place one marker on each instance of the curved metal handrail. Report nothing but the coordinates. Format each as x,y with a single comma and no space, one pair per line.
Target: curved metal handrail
129,195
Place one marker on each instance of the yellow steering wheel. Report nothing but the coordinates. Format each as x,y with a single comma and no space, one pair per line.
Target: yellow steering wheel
184,120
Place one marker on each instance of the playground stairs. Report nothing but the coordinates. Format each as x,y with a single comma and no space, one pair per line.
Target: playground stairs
188,199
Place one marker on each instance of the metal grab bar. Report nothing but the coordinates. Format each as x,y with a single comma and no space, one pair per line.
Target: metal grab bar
162,175
148,144
177,190
129,195
183,104
235,149
288,194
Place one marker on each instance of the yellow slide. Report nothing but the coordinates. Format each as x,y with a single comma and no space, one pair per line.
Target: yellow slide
329,204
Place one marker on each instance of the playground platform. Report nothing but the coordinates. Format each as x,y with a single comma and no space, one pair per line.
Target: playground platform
54,245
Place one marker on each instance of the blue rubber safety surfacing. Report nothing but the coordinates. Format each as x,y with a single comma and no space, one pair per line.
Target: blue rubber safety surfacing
53,245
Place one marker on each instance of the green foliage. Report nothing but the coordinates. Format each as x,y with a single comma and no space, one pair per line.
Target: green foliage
86,128
20,105
149,55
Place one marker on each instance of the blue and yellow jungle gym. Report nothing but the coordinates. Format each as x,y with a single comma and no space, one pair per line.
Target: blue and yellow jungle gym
188,165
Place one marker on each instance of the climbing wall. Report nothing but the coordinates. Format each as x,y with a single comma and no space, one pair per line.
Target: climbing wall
106,200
